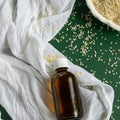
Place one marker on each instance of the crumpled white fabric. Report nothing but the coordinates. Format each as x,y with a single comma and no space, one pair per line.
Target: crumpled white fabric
0,116
26,26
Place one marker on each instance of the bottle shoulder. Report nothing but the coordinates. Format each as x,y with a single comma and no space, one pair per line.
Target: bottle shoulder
60,75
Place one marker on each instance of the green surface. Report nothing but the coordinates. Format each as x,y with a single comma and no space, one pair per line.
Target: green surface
92,45
5,115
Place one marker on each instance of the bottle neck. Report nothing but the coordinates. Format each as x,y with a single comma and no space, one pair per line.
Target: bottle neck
61,69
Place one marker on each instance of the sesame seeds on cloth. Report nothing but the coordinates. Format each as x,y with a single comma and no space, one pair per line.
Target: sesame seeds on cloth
110,9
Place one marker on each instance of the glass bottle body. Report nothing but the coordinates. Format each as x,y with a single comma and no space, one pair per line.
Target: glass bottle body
66,96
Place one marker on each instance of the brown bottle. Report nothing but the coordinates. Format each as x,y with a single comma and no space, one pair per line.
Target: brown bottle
66,95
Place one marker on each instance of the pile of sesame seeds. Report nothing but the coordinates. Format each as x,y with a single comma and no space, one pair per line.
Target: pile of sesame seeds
110,9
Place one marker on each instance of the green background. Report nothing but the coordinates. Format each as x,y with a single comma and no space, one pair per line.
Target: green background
92,45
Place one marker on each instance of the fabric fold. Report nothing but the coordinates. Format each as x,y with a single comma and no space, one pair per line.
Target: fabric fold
26,62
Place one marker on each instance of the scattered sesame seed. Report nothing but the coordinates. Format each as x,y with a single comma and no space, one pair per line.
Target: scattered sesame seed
89,45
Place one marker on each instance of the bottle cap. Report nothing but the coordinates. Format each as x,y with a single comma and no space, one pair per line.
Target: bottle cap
60,62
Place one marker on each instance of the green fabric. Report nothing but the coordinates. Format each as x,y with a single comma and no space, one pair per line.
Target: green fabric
92,45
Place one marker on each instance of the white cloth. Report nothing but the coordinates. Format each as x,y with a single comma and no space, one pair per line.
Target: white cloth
0,116
26,26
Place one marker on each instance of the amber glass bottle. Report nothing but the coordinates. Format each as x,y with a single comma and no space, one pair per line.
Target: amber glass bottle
66,95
